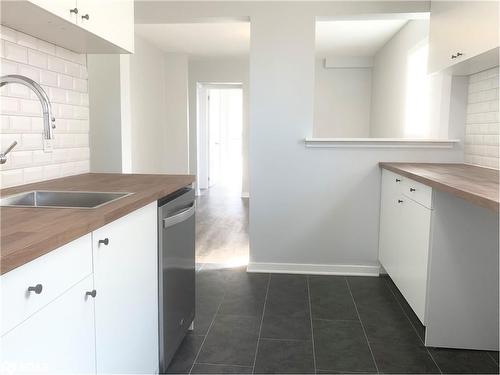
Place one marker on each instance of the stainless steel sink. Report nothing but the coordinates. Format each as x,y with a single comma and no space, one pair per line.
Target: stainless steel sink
61,199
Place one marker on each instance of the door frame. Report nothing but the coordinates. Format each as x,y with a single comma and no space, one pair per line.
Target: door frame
202,130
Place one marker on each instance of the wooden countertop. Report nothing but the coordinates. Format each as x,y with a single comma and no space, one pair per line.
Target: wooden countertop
27,233
474,184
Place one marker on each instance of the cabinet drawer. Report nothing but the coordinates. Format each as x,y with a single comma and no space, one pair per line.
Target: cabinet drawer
392,183
418,192
56,272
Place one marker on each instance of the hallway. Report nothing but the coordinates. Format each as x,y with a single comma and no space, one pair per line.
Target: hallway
222,227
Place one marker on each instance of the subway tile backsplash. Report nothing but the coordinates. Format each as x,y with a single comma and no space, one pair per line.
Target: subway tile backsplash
482,129
63,75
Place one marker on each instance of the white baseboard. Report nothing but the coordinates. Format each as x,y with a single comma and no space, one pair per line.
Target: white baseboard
314,269
245,194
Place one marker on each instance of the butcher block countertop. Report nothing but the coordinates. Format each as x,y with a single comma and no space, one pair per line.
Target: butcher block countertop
474,184
27,233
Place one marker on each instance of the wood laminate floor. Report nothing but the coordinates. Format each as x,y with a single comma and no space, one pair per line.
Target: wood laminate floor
221,227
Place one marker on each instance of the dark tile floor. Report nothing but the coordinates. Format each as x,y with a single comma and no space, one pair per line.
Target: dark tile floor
261,323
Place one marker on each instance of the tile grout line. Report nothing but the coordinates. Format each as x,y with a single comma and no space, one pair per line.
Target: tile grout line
412,325
208,331
222,364
261,322
312,328
362,325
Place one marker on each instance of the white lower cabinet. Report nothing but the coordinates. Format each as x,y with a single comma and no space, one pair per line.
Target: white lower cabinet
125,274
90,306
405,227
57,339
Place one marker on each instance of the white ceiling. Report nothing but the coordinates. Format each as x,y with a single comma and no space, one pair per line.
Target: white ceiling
355,37
199,39
210,39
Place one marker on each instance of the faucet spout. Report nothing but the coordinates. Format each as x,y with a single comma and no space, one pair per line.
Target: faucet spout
49,122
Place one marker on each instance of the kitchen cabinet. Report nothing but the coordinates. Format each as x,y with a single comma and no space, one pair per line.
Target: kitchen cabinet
463,36
89,306
59,338
112,20
83,26
125,275
405,225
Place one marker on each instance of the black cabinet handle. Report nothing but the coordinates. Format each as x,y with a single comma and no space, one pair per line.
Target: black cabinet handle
104,242
400,201
92,293
398,180
37,288
74,10
412,189
458,54
85,17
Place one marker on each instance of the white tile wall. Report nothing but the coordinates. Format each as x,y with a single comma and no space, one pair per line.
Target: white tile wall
482,129
63,75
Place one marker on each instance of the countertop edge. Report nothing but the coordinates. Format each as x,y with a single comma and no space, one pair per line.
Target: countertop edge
469,196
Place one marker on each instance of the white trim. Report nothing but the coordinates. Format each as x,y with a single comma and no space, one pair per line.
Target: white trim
379,143
314,269
245,194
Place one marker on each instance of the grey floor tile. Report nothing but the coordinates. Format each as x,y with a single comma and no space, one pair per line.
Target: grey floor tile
403,357
232,340
419,327
245,295
341,345
284,357
288,296
456,361
184,357
284,327
394,327
331,299
320,371
494,355
205,368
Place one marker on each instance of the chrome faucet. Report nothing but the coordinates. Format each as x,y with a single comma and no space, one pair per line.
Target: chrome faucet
49,122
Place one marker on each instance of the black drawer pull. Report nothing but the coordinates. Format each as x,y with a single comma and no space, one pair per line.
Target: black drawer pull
104,242
37,288
400,201
92,293
412,189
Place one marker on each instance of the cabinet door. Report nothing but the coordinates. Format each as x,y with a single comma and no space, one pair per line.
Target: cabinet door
410,267
112,20
126,306
57,339
390,220
468,27
60,8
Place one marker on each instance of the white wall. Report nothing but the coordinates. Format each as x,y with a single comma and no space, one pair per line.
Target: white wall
341,102
105,114
226,70
148,114
63,75
176,107
140,111
483,121
389,85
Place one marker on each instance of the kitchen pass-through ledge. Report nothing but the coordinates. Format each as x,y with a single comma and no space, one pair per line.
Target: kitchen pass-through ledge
379,143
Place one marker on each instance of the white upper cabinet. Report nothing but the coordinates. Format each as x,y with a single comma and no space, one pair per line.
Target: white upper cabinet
463,36
113,20
65,9
83,26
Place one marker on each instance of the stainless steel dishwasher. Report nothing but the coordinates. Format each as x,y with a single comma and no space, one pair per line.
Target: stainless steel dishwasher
176,274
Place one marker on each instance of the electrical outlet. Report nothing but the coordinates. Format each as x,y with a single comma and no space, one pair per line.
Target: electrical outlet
48,145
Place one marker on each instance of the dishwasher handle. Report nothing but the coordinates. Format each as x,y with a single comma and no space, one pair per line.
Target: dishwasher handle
179,217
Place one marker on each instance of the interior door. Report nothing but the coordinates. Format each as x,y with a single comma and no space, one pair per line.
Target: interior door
214,141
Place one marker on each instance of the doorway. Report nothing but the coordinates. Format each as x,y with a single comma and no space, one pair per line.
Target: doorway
220,130
222,220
